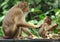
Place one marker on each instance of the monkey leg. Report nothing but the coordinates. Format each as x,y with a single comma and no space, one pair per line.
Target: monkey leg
27,32
19,34
8,32
42,32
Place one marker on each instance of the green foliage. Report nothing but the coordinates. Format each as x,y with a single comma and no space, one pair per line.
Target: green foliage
39,10
1,32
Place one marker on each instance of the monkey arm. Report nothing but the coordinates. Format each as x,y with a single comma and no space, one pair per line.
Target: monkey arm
21,23
52,27
25,24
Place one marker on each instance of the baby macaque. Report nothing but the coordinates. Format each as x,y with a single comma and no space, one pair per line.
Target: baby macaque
46,27
15,19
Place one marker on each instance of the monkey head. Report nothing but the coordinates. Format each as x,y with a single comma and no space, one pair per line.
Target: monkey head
24,6
47,20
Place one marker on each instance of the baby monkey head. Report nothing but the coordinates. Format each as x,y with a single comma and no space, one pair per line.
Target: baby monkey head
47,20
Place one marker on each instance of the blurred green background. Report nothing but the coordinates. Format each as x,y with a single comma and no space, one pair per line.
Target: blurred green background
38,10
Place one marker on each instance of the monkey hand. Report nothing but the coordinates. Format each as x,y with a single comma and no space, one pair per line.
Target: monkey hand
37,26
56,24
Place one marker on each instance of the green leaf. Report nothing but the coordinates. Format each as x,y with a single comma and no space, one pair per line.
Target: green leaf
1,18
41,16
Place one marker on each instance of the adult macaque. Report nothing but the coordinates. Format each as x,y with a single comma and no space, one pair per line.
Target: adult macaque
15,20
46,27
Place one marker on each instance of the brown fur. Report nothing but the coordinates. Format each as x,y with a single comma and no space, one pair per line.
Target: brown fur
15,19
46,27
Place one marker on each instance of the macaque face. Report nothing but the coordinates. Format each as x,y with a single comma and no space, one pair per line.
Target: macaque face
24,6
48,20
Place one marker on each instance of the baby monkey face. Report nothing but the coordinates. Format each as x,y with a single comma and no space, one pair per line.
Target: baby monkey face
48,20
